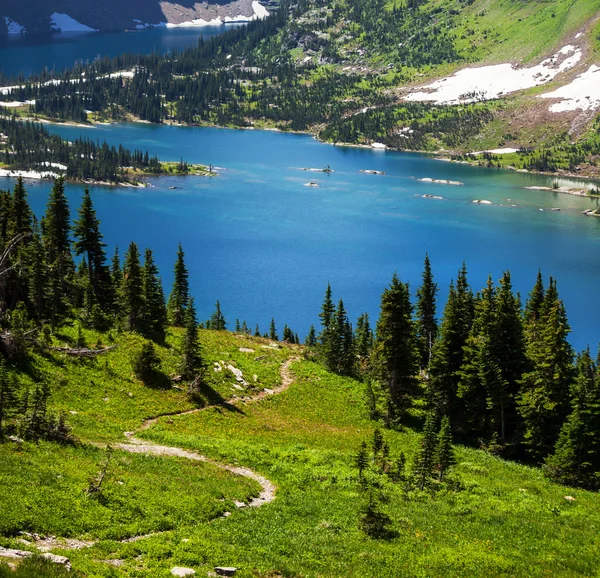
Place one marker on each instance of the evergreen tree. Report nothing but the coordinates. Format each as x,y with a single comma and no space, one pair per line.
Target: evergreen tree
363,337
311,338
395,353
448,352
425,460
217,320
474,385
145,363
56,227
444,455
273,330
115,270
362,460
88,242
154,312
191,362
180,293
576,460
533,308
132,290
256,331
327,311
21,217
38,277
426,308
544,394
288,335
8,396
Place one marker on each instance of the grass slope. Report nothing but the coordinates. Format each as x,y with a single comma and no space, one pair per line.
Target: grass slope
506,521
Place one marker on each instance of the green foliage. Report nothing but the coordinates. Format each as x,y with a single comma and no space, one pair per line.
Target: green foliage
396,351
426,321
36,567
145,363
180,294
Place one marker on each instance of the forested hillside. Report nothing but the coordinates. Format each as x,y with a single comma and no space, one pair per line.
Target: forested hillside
160,441
344,71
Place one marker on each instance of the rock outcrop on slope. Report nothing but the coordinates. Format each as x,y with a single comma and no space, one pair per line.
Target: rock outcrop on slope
43,16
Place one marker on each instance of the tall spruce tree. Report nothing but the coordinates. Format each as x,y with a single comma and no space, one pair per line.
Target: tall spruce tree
311,338
56,227
448,352
426,309
154,312
88,242
217,320
21,215
132,291
543,400
180,293
576,460
444,453
273,330
425,460
37,276
191,359
395,353
363,337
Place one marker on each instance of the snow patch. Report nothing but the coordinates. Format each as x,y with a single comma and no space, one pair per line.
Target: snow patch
64,23
259,10
13,27
35,175
583,93
489,82
504,151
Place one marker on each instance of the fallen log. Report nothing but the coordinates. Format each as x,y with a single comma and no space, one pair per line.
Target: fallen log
82,352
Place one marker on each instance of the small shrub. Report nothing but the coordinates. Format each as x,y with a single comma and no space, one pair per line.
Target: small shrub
145,363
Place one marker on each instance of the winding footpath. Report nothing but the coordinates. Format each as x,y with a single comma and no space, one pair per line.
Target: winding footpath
139,446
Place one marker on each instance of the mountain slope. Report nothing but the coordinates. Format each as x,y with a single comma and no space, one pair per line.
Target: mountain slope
36,16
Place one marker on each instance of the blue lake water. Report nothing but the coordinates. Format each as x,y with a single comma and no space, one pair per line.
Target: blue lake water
31,54
264,244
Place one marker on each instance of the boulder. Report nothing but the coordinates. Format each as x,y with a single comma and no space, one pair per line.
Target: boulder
225,570
179,571
62,560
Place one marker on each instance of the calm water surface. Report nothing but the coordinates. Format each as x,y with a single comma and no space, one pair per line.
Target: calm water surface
264,244
28,55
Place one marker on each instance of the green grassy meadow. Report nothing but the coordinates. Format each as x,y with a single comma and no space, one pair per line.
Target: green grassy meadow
501,518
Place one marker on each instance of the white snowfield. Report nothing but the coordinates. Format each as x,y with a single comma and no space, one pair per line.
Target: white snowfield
489,82
583,93
260,12
64,23
35,175
13,27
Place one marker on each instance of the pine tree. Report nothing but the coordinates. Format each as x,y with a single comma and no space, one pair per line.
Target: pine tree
145,363
424,465
395,353
444,455
191,360
217,320
311,338
288,335
473,386
56,227
35,424
38,276
8,396
426,308
448,352
326,315
88,242
256,331
362,460
363,337
154,312
273,330
576,460
544,394
180,293
533,308
132,291
21,217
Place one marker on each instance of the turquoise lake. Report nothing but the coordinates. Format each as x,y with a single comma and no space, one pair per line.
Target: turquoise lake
31,54
264,244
